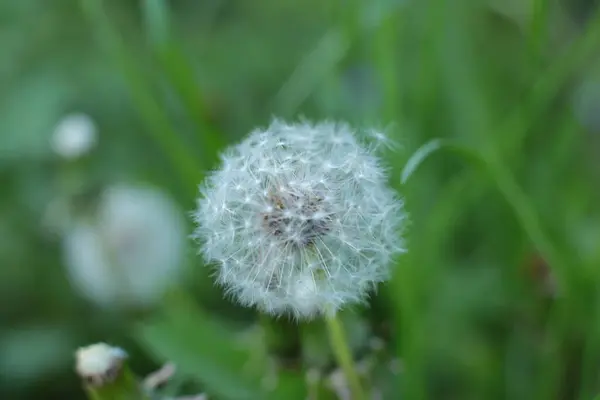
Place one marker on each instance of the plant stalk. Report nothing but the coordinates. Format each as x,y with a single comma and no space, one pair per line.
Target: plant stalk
343,355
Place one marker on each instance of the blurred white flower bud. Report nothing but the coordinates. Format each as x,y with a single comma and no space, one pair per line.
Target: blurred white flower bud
74,136
130,251
99,363
299,219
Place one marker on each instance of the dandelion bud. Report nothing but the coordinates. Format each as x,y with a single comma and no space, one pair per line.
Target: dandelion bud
99,363
299,219
106,375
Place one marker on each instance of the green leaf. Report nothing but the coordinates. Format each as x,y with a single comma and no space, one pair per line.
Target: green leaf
156,19
125,387
206,350
507,186
201,349
180,75
327,53
160,126
426,150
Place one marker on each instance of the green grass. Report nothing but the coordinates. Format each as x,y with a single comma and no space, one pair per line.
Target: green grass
511,177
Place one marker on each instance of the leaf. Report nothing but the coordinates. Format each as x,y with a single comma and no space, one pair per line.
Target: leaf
160,126
200,348
125,387
206,350
180,75
426,150
157,21
328,53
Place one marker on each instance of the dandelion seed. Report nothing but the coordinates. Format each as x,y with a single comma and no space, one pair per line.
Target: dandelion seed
299,219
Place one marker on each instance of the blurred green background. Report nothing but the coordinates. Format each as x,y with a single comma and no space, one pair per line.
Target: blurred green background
497,297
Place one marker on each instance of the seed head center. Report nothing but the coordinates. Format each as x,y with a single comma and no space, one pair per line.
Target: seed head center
297,219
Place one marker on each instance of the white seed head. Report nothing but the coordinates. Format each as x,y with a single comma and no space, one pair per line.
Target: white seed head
130,250
299,219
74,136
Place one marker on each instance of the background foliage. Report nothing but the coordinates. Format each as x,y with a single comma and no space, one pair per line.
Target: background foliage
498,295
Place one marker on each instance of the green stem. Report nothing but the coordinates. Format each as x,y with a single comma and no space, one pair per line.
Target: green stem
125,387
538,30
343,354
591,349
526,215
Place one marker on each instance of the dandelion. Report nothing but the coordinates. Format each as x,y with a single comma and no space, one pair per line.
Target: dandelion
130,250
299,219
99,363
74,136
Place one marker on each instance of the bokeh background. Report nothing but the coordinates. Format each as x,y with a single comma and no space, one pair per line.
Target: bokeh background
112,111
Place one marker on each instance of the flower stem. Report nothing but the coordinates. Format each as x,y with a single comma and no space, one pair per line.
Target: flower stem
343,354
125,387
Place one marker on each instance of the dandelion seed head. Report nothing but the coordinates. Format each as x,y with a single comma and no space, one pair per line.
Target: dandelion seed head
299,219
74,136
129,250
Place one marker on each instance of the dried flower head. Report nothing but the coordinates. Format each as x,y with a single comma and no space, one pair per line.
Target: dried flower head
99,363
299,219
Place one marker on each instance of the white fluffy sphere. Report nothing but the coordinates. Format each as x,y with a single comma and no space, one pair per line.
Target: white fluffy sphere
74,136
130,251
299,219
